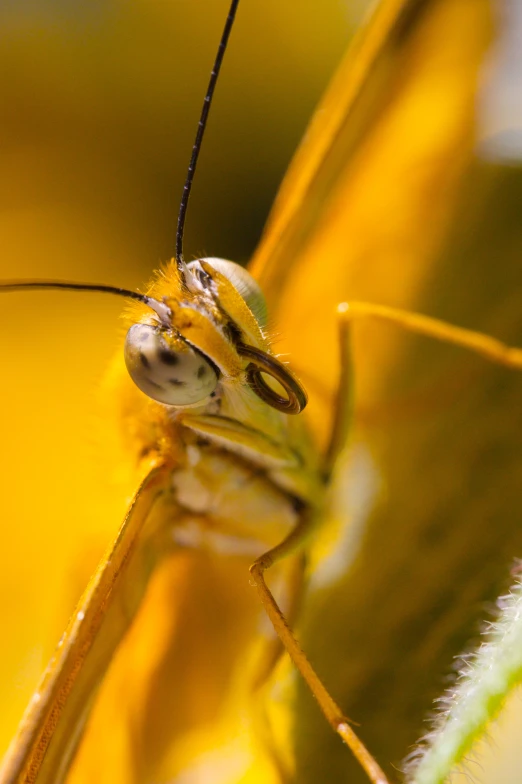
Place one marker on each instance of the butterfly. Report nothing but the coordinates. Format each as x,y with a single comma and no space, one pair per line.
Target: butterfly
313,215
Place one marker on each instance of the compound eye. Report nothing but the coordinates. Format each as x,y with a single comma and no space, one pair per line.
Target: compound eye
176,376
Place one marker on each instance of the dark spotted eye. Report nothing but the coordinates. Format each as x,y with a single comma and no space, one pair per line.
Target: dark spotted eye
177,378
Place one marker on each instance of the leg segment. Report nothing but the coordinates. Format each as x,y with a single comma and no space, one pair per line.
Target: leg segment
344,401
486,346
270,654
294,541
272,646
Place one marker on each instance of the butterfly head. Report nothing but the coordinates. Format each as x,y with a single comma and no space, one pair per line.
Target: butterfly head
208,328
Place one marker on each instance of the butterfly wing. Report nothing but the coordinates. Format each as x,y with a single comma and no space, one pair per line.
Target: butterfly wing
53,724
386,201
367,197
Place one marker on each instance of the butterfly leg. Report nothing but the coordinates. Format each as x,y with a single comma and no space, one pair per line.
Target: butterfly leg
344,401
272,647
270,652
294,542
478,342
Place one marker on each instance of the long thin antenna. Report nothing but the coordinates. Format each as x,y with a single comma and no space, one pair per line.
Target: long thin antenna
18,285
160,308
201,130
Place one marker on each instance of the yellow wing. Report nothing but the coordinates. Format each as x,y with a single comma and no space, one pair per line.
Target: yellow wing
386,201
54,722
367,197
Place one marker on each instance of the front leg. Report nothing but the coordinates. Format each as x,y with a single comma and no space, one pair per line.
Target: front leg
294,542
478,342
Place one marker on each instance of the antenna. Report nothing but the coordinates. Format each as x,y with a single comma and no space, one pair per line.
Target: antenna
160,308
18,285
196,148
